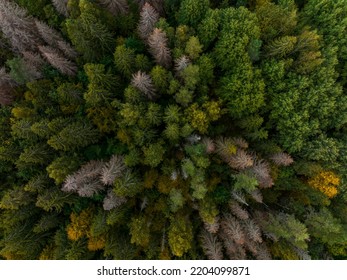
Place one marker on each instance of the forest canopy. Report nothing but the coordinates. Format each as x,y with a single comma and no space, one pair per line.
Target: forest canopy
173,129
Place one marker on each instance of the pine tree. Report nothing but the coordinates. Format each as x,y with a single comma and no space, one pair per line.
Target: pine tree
180,235
127,185
61,167
47,222
89,34
276,20
257,195
53,199
124,59
37,154
193,48
191,12
139,231
101,85
67,49
153,154
209,144
74,136
213,227
225,148
6,87
208,28
23,70
281,46
15,198
288,227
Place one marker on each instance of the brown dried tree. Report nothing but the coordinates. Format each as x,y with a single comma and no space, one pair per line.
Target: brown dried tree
112,201
214,227
61,7
143,82
158,47
282,159
18,27
58,61
181,63
48,34
115,7
209,144
86,180
148,18
54,39
213,248
252,230
261,171
237,210
156,4
241,160
232,227
113,169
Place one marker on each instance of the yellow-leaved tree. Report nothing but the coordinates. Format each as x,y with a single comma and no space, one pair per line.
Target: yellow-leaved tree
326,182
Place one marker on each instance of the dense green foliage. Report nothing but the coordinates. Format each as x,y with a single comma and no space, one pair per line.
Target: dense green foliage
173,129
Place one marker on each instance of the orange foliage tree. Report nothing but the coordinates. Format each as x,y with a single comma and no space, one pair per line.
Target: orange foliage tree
326,182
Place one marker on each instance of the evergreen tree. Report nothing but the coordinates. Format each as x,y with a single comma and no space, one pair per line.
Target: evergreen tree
89,34
191,12
74,136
